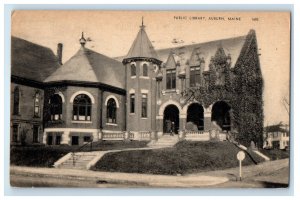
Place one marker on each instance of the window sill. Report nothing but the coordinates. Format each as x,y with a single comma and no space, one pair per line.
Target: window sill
170,90
111,124
133,77
131,113
81,122
144,117
144,77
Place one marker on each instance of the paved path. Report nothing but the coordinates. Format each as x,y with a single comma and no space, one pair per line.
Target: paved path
256,172
146,180
261,172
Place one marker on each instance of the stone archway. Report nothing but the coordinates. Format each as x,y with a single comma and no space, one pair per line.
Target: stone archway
220,114
171,119
195,116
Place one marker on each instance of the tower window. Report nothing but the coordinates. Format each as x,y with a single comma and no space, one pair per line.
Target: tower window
111,111
145,70
171,79
133,70
144,105
195,76
16,107
132,103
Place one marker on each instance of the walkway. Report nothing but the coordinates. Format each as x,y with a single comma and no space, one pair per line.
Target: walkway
203,179
146,180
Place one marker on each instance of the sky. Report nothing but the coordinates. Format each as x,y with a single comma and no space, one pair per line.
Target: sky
112,33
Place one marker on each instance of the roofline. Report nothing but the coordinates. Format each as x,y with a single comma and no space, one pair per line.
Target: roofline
101,86
43,85
133,59
27,82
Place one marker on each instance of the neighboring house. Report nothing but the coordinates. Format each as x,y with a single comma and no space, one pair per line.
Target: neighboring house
277,136
141,96
31,64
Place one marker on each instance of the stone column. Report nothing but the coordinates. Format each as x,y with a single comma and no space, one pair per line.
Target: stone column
207,119
159,125
182,122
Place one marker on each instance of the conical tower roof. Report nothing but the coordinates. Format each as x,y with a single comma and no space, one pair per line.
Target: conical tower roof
142,47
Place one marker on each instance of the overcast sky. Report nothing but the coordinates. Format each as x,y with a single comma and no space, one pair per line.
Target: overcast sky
112,33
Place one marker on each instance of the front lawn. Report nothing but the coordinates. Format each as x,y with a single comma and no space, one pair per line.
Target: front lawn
184,157
46,156
36,156
276,154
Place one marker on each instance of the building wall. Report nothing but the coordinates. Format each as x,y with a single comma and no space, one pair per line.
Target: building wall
138,85
120,121
26,119
92,128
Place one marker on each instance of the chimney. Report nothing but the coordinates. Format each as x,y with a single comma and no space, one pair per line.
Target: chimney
59,52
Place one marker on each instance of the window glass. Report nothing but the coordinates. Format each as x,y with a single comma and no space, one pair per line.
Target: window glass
37,105
171,79
82,108
144,105
195,76
133,70
15,132
145,70
55,107
111,111
132,103
16,101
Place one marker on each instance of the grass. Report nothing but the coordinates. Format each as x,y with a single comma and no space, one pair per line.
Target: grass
38,156
275,154
184,157
45,156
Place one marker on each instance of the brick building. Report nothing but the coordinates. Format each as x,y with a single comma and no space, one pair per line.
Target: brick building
140,96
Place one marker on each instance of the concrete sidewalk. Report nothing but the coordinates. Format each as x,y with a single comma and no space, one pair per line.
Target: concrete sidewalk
203,179
146,180
253,172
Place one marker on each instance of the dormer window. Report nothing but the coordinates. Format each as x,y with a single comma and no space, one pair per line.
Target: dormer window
195,76
171,79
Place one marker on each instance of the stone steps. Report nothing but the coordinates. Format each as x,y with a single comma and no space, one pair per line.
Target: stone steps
79,160
164,141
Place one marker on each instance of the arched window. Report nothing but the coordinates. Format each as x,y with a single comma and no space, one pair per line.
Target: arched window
37,104
16,107
82,108
111,111
55,107
145,70
133,70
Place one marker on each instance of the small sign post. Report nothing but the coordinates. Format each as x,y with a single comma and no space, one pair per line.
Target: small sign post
240,156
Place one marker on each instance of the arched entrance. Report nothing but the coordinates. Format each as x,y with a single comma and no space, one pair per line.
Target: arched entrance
171,119
221,115
195,115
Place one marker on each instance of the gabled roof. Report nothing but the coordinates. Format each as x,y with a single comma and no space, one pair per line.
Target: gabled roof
31,61
277,128
142,46
89,66
204,50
